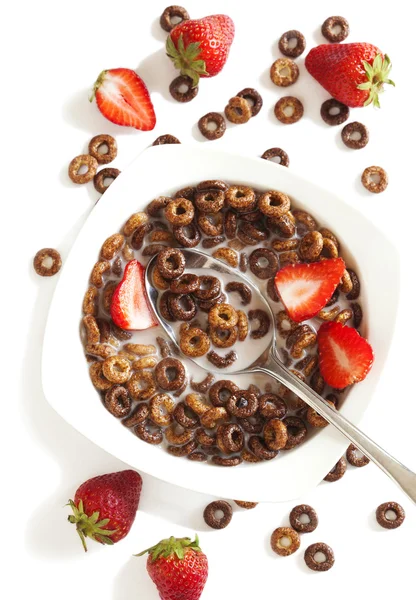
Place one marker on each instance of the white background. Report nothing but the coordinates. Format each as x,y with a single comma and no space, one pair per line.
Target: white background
51,54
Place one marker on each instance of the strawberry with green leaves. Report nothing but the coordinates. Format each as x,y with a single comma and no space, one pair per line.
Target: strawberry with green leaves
199,48
104,507
178,567
354,74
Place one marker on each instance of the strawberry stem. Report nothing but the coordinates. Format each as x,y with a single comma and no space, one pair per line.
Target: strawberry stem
90,526
186,59
170,546
97,85
377,75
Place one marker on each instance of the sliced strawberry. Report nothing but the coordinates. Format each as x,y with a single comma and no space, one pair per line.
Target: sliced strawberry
123,99
130,308
344,356
305,288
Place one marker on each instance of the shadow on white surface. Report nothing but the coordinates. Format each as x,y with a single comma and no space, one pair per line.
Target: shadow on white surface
157,72
82,114
157,32
318,39
133,582
89,187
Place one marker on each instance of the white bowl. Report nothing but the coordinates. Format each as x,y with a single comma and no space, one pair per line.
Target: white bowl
160,171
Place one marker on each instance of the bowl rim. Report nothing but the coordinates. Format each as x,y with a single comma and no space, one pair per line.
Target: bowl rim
279,480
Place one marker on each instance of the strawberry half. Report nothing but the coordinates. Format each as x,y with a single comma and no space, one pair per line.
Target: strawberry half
123,98
344,356
306,288
130,308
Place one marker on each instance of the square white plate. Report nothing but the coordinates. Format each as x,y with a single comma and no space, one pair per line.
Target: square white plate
160,171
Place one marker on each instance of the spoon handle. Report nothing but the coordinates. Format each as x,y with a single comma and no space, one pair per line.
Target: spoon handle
400,474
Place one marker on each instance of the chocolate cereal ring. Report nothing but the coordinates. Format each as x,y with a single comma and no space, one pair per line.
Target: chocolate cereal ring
271,406
304,219
334,112
188,236
276,153
204,385
171,263
280,534
223,338
230,461
274,204
246,505
297,512
180,211
241,198
296,430
209,288
288,110
212,184
223,315
286,48
230,438
263,263
353,129
258,447
137,416
393,507
116,369
212,520
171,12
161,408
194,342
317,382
149,433
243,262
337,471
103,175
357,312
181,89
242,404
99,269
271,290
182,307
275,434
311,246
117,401
155,206
206,305
242,289
221,391
264,323
141,385
332,23
354,291
97,377
83,160
211,225
209,201
222,362
353,459
284,72
89,303
175,434
48,262
369,179
197,456
170,374
185,284
212,416
315,565
185,416
165,139
205,126
184,450
255,230
112,246
227,255
238,110
253,97
99,142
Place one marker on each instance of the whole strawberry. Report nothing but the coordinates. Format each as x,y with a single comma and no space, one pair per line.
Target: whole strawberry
353,74
105,507
178,567
200,48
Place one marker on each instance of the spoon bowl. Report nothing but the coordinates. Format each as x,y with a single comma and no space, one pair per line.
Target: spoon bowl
269,362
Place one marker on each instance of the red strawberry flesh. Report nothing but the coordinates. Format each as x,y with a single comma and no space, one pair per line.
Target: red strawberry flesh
306,288
345,357
123,98
105,507
130,308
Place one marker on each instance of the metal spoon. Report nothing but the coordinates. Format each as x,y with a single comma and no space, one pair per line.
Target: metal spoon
270,363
